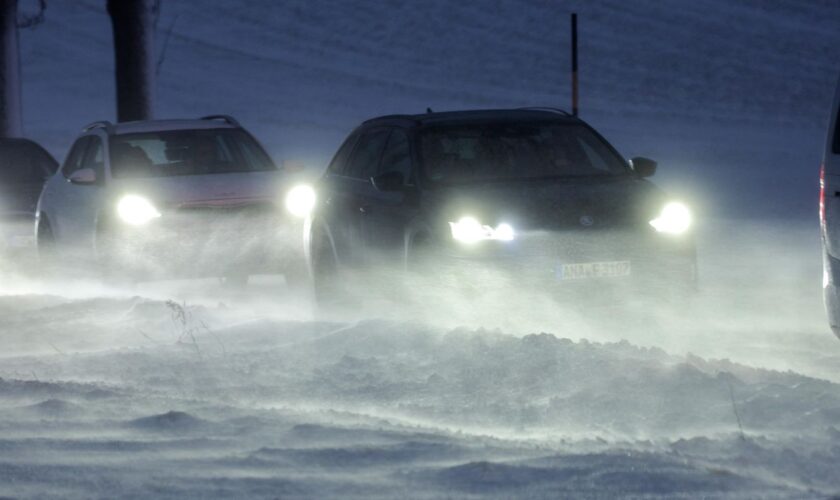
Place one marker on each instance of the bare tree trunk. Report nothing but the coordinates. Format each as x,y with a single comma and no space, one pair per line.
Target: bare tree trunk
133,24
10,108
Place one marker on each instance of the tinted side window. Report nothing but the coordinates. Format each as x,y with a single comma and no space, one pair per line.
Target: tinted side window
95,157
186,152
254,155
339,163
75,157
835,146
365,160
397,155
596,158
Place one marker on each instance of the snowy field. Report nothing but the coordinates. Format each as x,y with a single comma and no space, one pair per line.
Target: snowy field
188,389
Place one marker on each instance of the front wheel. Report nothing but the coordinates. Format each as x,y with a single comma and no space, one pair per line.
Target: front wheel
112,266
47,249
329,284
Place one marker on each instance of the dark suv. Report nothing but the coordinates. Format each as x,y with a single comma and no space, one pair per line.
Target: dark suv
24,167
534,193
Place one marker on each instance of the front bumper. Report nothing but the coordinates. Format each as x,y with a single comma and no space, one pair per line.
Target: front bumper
574,261
205,242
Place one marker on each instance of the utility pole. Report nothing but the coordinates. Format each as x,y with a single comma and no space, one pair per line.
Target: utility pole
133,25
574,66
10,107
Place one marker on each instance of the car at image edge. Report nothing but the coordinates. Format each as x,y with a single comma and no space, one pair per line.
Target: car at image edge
829,208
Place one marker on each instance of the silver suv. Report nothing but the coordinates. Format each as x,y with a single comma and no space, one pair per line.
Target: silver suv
168,198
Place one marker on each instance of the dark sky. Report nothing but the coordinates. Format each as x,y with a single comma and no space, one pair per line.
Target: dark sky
731,97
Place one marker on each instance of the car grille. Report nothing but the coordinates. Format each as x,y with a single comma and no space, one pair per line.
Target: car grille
200,222
537,255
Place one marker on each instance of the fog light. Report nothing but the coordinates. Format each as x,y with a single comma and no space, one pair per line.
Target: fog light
300,200
504,232
136,210
469,230
675,218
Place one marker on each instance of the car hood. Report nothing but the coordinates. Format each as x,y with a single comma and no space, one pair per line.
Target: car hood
552,204
205,190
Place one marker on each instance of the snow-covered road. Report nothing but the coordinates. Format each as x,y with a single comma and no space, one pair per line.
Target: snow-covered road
107,393
110,393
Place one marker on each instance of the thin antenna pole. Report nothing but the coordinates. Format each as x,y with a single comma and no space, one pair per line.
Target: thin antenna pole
574,66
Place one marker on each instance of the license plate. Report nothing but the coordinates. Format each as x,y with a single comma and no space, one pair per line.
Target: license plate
589,270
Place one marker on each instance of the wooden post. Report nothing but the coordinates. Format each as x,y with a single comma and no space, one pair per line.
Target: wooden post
10,108
574,66
133,26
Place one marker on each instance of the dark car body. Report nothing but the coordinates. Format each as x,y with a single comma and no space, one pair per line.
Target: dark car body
24,167
593,226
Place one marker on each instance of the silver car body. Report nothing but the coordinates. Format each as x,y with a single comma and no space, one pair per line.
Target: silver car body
190,206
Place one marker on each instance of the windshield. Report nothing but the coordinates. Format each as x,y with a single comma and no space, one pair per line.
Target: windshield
458,154
186,152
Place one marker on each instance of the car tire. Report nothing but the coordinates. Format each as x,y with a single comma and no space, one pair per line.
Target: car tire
418,255
424,274
47,248
328,283
111,270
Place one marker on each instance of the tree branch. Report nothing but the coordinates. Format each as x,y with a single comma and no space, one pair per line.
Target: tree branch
162,56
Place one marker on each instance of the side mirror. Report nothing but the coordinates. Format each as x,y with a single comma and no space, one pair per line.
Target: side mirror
389,181
644,167
83,176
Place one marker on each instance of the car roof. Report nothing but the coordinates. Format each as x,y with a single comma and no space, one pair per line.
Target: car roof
163,125
516,114
207,122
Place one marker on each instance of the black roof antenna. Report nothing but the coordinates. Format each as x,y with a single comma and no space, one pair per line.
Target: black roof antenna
429,110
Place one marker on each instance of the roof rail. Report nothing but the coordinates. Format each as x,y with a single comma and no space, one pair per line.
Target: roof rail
100,124
389,117
225,118
547,108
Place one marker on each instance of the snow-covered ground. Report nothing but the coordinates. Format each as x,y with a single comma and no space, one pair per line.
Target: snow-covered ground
107,392
188,389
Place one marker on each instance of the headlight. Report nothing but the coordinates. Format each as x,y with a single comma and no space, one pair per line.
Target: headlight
675,218
300,200
136,210
469,230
